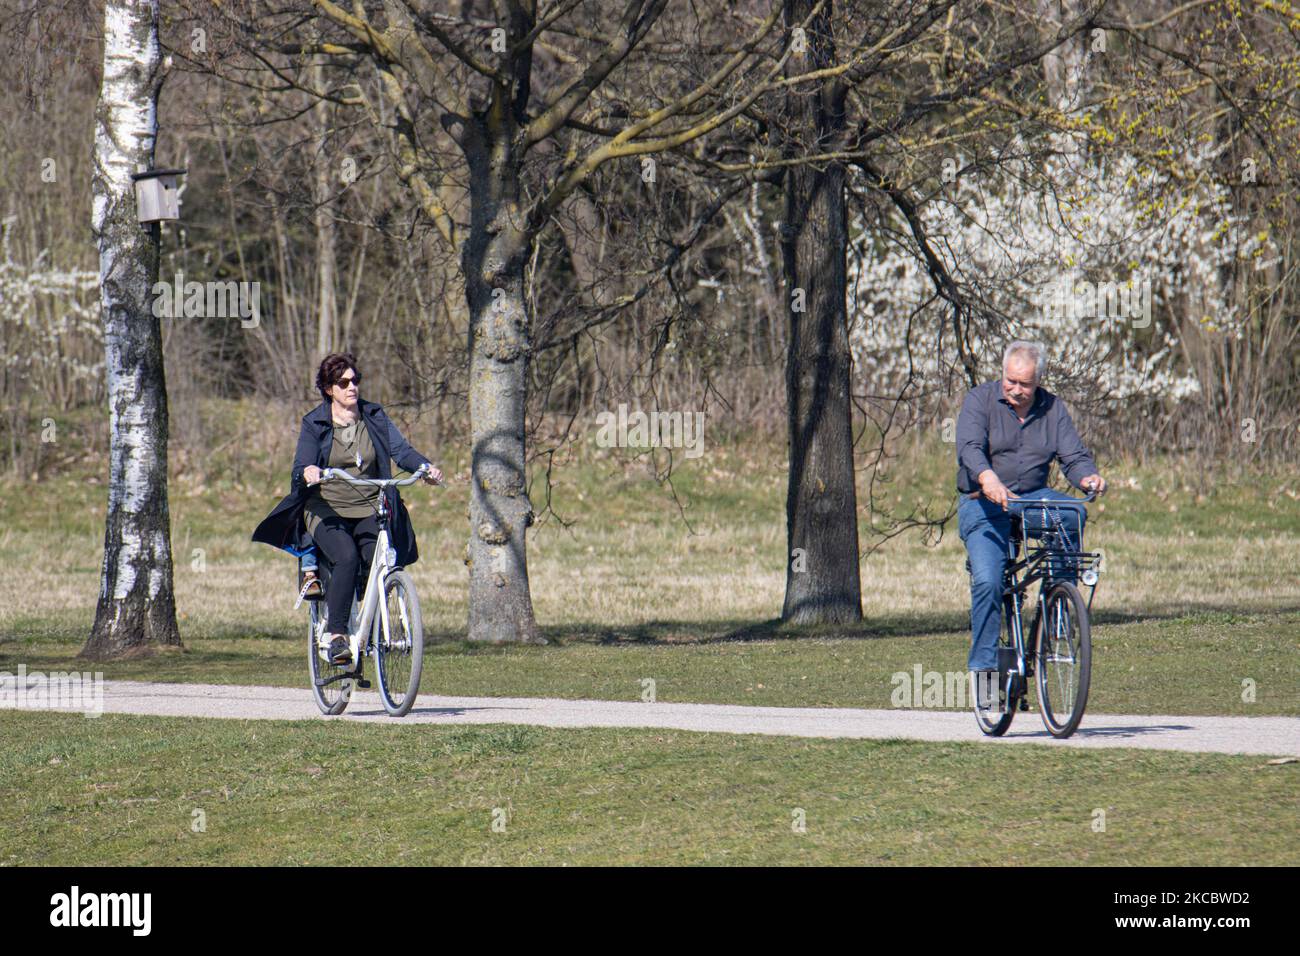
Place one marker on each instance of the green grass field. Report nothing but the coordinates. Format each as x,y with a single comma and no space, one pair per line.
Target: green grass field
125,790
1199,602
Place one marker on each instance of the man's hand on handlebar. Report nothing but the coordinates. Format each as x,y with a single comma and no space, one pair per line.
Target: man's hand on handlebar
432,475
311,474
1094,483
993,488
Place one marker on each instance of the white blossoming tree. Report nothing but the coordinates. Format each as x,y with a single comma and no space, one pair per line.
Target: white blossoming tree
1037,258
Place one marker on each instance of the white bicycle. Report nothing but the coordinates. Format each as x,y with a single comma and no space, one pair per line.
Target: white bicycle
390,630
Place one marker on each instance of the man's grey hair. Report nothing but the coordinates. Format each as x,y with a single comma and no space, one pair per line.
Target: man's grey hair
1031,350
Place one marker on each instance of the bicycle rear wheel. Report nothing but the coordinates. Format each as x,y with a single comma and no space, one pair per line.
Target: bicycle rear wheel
399,646
1064,642
991,722
332,697
995,723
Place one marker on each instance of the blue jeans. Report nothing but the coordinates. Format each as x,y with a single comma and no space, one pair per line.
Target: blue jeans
986,531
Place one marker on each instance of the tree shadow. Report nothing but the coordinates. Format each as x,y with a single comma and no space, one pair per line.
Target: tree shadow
662,632
1172,611
902,625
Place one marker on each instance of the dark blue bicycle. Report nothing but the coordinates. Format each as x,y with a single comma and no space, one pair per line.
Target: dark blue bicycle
1058,649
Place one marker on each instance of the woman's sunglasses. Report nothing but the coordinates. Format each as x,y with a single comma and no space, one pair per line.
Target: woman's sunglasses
345,382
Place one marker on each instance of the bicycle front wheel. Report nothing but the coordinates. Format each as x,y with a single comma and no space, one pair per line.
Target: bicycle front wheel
399,644
1064,642
330,687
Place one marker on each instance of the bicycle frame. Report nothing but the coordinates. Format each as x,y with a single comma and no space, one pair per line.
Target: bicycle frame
382,564
1036,564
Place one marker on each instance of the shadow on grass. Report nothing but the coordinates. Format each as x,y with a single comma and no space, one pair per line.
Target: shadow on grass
900,625
16,639
1206,613
734,630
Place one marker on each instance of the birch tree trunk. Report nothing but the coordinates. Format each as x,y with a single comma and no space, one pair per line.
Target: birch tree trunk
1065,75
136,609
326,262
822,584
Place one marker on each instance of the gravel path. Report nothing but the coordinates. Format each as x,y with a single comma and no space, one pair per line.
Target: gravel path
1233,735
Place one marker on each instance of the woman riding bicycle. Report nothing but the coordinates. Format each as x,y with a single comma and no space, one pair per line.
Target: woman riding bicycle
339,518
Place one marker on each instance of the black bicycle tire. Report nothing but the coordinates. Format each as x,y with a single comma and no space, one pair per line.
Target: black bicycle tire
330,708
1071,593
404,581
999,727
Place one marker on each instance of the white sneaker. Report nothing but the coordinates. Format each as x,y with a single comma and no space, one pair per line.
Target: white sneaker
339,646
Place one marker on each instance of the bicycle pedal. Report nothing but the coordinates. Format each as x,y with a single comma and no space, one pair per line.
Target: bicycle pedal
1024,704
362,683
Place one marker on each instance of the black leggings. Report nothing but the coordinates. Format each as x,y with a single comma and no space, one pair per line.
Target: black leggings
348,544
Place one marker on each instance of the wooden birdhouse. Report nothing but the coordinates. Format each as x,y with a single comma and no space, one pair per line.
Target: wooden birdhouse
156,199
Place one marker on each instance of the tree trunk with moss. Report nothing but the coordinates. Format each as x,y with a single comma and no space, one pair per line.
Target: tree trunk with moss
495,257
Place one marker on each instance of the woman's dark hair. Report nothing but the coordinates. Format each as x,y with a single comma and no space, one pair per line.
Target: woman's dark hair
332,369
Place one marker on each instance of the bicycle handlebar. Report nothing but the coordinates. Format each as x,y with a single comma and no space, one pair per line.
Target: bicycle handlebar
1069,502
333,474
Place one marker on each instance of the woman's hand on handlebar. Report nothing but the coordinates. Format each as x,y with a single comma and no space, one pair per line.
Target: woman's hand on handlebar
313,475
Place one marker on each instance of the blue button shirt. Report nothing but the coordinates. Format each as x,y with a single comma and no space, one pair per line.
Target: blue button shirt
990,435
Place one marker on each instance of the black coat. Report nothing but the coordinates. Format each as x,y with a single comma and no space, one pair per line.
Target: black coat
284,527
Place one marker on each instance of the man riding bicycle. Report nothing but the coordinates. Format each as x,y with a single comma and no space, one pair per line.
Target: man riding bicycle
1008,434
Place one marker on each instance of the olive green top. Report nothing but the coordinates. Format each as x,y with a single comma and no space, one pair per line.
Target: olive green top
353,452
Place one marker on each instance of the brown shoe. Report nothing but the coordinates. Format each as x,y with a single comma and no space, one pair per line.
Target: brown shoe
311,586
